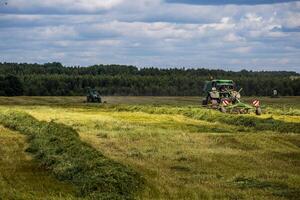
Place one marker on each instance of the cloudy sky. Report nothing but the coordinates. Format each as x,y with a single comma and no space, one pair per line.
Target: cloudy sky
233,34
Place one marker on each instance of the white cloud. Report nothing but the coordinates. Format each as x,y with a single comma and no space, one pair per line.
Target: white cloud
242,50
232,37
64,5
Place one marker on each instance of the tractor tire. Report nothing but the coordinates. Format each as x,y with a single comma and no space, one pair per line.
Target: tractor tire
214,104
258,111
222,109
208,100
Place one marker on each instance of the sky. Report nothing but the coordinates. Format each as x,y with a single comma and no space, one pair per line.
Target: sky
230,35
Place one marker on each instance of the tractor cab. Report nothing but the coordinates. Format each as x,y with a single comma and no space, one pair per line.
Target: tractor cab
219,88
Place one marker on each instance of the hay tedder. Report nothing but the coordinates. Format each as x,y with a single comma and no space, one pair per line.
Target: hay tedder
222,95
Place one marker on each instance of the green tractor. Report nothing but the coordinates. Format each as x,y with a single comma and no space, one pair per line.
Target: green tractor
93,96
222,95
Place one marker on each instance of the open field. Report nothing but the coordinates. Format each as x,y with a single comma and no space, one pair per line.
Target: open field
182,151
292,102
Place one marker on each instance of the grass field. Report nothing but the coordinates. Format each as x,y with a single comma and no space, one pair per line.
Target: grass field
21,177
182,150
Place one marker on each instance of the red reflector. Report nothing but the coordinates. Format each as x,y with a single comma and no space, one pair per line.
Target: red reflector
225,102
255,103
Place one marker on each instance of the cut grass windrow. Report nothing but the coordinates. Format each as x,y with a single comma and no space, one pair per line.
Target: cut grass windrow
256,123
59,149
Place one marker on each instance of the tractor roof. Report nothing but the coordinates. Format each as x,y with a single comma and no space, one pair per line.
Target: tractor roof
222,81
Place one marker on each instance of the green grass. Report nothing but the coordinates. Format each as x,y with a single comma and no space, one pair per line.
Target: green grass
59,149
23,178
254,122
184,151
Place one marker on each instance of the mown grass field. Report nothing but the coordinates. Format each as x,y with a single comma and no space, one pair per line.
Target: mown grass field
182,150
21,177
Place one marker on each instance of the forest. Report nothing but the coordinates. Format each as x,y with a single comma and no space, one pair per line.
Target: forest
54,79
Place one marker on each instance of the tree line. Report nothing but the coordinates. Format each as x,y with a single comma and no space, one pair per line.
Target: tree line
54,79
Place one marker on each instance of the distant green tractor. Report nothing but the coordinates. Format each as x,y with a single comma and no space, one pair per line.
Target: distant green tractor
274,94
222,95
93,96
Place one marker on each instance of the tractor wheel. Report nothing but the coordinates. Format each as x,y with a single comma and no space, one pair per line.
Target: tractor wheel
208,100
222,109
246,111
258,111
243,111
214,103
